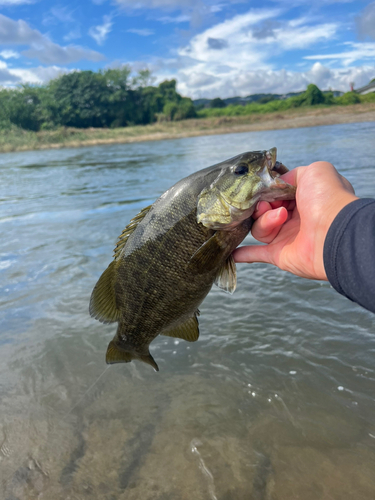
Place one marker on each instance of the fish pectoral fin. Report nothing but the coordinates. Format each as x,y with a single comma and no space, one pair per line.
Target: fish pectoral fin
117,355
208,256
226,278
130,228
189,330
103,298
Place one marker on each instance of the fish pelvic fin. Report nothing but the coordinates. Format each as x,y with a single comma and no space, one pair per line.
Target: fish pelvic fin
116,354
226,278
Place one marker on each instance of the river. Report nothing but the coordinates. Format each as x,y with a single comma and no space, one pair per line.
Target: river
275,401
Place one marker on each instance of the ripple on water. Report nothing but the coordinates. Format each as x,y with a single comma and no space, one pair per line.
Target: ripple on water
275,400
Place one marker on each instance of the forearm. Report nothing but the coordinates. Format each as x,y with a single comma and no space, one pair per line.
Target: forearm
349,252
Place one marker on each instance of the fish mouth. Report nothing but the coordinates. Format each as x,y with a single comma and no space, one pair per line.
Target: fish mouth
272,187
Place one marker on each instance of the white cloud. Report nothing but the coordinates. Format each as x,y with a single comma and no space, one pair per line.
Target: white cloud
18,32
51,53
240,43
9,54
236,55
183,18
100,33
72,35
15,2
37,75
159,4
238,48
58,15
41,47
198,85
359,52
366,22
6,77
141,32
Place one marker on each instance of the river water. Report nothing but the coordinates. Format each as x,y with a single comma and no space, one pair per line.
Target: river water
276,400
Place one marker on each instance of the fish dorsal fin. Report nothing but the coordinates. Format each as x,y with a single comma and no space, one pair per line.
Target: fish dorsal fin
208,256
189,330
117,355
226,278
103,298
130,228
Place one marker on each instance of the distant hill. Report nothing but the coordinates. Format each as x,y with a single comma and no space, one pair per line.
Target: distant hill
263,98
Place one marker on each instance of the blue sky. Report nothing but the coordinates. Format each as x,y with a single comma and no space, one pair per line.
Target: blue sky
212,47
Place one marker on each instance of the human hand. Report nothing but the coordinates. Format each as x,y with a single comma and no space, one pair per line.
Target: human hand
295,231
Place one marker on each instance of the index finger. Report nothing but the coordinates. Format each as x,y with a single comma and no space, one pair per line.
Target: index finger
291,176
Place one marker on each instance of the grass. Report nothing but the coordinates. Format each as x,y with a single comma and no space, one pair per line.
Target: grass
22,140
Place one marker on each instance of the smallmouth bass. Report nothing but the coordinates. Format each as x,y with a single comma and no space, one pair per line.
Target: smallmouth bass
169,255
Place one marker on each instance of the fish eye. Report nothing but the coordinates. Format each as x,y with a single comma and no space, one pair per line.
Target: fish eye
241,170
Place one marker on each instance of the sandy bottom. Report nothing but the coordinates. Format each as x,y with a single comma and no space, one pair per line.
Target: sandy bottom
175,442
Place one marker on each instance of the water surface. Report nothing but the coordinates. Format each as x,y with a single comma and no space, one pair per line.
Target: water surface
275,401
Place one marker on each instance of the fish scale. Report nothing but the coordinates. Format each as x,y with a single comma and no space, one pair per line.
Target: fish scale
171,253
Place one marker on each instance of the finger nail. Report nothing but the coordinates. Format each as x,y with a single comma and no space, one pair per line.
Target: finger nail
257,206
273,214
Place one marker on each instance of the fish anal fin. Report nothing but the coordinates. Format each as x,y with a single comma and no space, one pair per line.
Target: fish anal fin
117,355
129,229
226,278
208,256
103,298
189,330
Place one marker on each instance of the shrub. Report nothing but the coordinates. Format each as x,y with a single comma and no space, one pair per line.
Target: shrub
348,98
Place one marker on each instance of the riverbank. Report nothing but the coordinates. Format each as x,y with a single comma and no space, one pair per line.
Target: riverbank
22,140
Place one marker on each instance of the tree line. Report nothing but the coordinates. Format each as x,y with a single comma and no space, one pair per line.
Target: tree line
114,98
83,99
312,96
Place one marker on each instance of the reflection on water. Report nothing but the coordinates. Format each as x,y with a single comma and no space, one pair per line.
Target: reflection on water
274,402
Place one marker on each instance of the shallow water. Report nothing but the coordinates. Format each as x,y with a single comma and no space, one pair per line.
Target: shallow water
276,401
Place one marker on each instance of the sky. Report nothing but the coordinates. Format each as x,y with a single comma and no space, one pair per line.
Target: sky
213,48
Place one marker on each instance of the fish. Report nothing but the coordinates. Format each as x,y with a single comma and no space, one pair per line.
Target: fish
169,255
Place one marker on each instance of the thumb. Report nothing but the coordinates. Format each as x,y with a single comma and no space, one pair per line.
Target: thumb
253,253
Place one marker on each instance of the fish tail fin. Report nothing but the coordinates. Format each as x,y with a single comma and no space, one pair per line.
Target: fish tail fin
117,355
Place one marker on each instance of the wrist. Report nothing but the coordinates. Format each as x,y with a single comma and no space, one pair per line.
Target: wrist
336,205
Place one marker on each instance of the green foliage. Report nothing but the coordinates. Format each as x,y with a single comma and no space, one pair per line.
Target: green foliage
329,98
348,98
82,99
265,99
168,91
370,97
217,103
185,109
170,109
312,96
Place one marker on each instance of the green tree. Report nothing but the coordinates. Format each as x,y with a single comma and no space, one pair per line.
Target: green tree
313,95
217,102
124,100
83,99
30,107
168,90
185,109
170,109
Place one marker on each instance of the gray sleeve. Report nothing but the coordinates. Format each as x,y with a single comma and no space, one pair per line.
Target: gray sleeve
349,252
